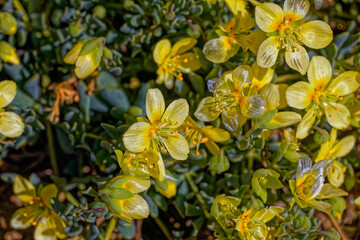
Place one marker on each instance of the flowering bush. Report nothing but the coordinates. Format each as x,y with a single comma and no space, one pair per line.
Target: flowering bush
181,119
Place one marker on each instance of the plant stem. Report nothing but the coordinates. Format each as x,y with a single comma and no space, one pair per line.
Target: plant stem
51,148
163,228
198,195
110,228
94,136
337,227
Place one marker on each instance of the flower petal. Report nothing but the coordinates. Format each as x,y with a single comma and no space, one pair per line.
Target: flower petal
178,147
343,147
135,208
319,72
21,219
206,111
283,119
217,50
299,95
268,52
297,58
137,138
261,76
47,193
24,189
336,174
295,10
241,75
320,205
236,7
304,165
269,16
176,113
215,134
316,34
136,185
155,104
271,95
7,92
232,119
182,46
11,125
305,124
330,191
345,83
161,51
189,62
338,116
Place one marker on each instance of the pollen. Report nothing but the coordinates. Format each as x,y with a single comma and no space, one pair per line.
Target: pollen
186,60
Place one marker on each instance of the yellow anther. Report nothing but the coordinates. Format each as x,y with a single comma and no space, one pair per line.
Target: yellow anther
186,60
5,115
197,153
34,223
204,140
177,56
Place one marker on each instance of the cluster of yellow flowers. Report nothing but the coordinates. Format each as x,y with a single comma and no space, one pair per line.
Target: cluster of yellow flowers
8,26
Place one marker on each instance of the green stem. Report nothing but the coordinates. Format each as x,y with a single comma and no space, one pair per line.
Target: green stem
195,189
110,228
94,136
51,147
163,228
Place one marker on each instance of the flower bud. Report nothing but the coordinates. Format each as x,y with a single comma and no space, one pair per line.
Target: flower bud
7,23
75,29
8,53
99,11
120,194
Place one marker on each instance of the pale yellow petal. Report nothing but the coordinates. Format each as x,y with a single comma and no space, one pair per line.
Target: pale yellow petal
215,134
138,137
155,104
206,111
182,46
338,116
7,92
295,10
177,146
343,147
161,51
268,52
299,95
20,219
237,7
47,193
283,119
11,125
176,113
189,62
305,124
336,174
316,34
217,50
241,75
271,95
24,189
323,152
136,207
297,58
269,16
345,83
136,185
44,230
261,76
282,89
319,72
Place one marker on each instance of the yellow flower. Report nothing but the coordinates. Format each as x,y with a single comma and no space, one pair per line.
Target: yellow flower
11,124
121,196
174,61
195,135
285,29
38,211
233,35
271,95
166,188
251,225
321,95
161,132
261,76
237,7
334,149
143,164
86,55
8,53
8,23
309,185
232,99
